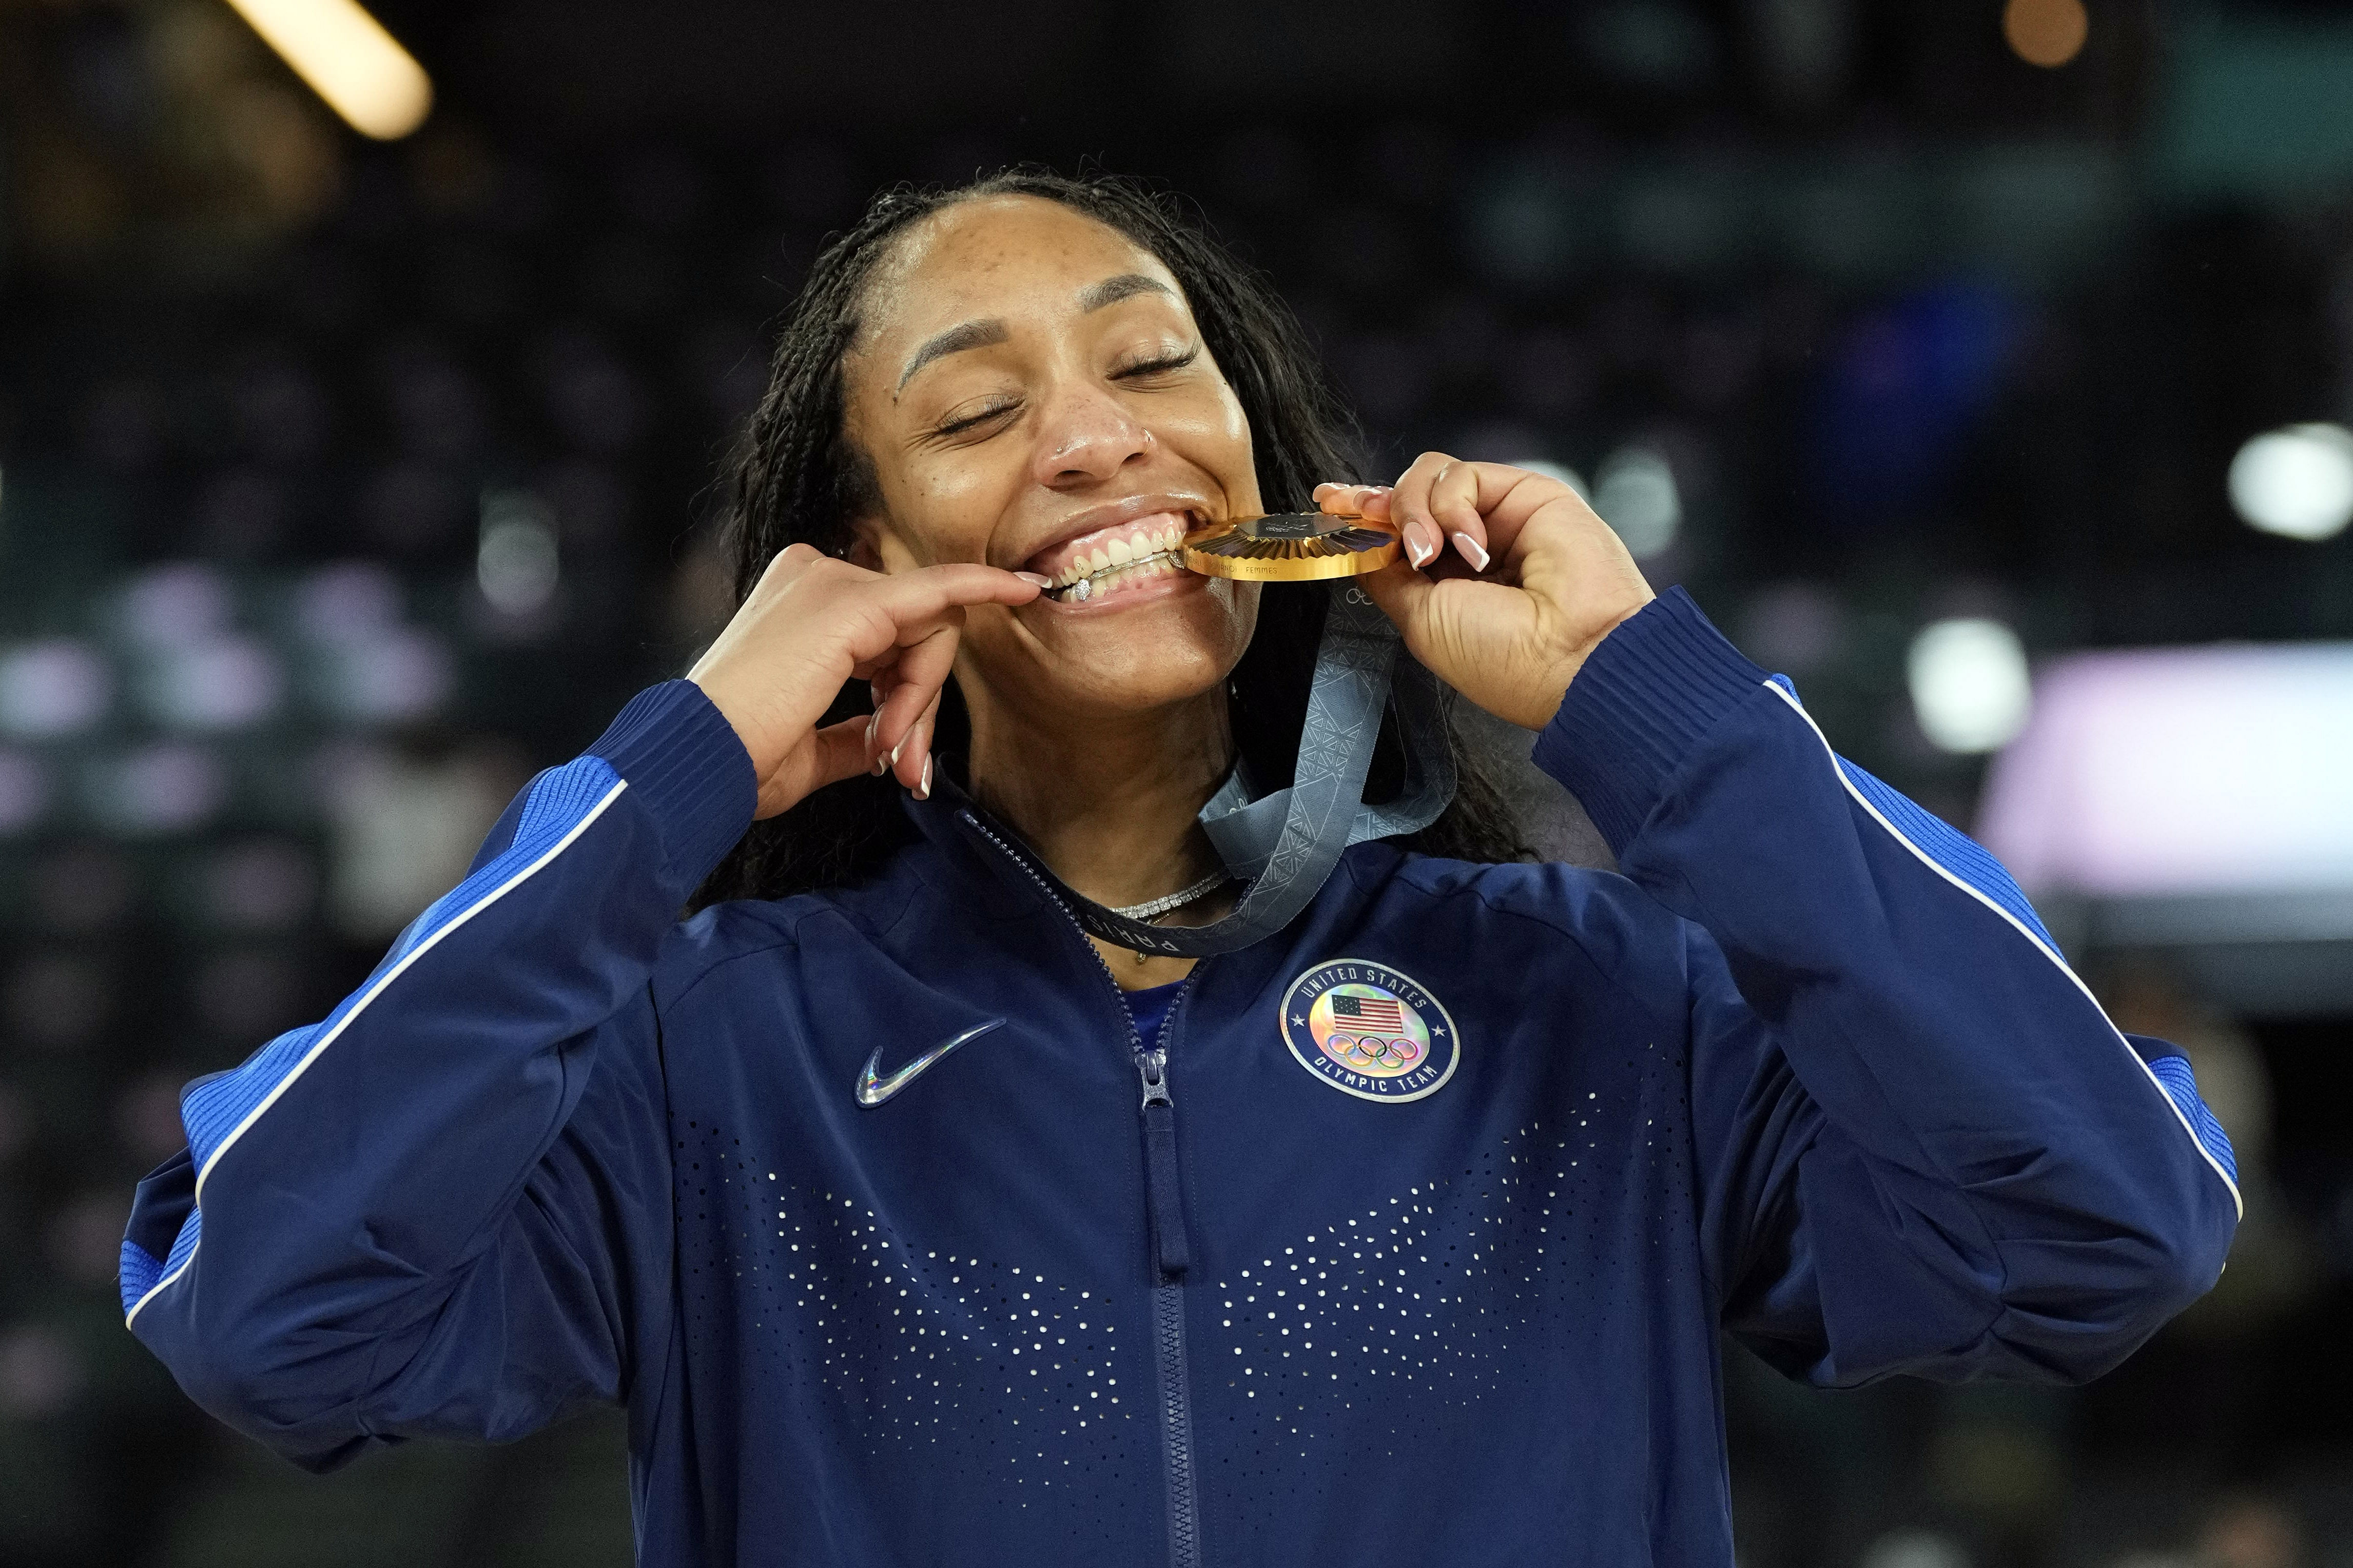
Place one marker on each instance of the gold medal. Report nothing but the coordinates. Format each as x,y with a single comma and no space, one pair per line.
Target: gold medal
1291,547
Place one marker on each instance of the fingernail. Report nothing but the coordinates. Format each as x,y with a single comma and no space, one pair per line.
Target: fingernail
871,720
1418,551
1471,552
1039,578
899,748
923,790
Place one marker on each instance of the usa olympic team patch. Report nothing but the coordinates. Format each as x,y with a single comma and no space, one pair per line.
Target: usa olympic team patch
1370,1031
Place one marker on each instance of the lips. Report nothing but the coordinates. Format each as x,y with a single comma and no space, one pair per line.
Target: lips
1117,557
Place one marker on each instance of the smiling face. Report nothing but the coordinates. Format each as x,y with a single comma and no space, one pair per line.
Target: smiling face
1033,392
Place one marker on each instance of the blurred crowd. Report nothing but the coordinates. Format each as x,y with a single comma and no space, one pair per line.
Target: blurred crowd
342,486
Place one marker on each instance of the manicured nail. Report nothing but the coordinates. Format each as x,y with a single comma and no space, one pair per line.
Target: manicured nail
1039,578
1472,552
1418,549
871,720
923,790
899,748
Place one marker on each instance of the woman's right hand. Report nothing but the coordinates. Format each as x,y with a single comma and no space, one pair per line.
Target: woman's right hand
815,622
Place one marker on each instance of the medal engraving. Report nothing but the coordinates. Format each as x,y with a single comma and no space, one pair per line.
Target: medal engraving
1291,547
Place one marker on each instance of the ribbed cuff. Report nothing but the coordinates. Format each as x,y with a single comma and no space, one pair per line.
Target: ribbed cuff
687,769
1638,708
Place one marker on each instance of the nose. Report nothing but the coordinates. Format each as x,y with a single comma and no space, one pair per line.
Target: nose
1086,437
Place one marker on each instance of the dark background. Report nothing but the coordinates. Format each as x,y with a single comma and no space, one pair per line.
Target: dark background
341,484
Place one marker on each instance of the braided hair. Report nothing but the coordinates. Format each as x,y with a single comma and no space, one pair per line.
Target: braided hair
796,475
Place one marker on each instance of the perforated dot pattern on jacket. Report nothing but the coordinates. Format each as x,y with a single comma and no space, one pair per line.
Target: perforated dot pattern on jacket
969,1361
1385,1329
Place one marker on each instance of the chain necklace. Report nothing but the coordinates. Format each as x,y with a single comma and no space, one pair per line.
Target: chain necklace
1154,907
1176,899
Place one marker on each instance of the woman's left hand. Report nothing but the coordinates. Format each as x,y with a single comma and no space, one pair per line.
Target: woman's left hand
1508,581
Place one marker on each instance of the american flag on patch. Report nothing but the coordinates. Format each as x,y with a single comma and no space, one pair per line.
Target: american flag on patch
1380,1014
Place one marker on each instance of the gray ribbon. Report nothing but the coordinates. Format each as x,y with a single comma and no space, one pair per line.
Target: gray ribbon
1285,844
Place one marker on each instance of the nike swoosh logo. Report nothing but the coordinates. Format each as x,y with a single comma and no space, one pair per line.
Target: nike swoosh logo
872,1090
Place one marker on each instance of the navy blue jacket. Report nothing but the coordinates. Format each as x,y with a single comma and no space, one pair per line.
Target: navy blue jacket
1417,1256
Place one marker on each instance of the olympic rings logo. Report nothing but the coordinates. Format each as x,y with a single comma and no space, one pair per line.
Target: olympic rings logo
1374,1053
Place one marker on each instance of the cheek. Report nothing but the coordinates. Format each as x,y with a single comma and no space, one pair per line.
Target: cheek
1244,614
1214,436
939,511
1240,470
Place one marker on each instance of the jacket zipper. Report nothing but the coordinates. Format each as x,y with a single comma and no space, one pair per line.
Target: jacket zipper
1165,1218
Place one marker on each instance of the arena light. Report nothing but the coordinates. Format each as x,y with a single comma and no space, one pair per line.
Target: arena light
52,690
1969,686
220,684
348,60
516,562
2174,772
2046,32
1635,492
2296,482
163,788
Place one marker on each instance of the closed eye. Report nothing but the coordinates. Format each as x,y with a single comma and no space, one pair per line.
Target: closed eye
972,421
1159,365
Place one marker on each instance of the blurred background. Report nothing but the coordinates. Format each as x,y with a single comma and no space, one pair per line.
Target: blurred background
1984,366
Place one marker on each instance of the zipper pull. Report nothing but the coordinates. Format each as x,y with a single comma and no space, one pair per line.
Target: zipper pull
1172,1251
1152,1067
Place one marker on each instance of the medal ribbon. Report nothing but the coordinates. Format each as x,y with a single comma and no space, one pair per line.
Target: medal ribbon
1285,845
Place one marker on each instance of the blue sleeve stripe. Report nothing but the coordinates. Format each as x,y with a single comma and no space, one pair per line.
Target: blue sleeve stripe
562,804
138,1275
143,1279
2028,927
2181,1085
218,1111
1955,852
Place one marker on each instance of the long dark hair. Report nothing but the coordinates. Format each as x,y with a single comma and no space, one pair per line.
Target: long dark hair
796,475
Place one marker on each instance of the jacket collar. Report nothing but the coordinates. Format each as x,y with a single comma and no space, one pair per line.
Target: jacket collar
961,863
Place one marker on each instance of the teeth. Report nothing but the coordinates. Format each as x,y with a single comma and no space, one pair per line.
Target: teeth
1077,586
1164,537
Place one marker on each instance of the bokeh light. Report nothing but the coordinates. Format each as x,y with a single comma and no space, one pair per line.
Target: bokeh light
1635,492
1970,690
52,689
516,565
348,60
2047,33
2296,482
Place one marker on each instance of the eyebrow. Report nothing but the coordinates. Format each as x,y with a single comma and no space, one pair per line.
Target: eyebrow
956,340
1126,286
990,331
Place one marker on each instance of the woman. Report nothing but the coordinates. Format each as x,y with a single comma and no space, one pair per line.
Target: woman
1418,1248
